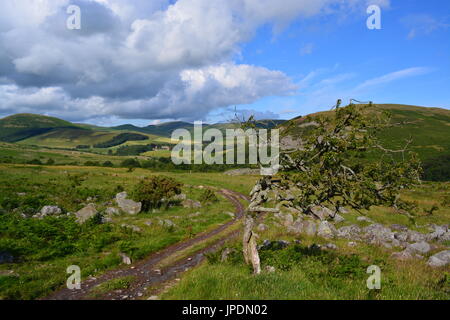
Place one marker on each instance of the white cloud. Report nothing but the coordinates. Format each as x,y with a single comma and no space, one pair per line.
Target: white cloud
140,59
387,78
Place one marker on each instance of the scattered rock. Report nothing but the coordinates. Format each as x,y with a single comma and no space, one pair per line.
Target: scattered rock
132,227
402,255
401,236
377,234
414,236
297,227
153,298
86,213
226,253
125,259
111,211
342,210
352,244
399,227
180,197
438,233
364,219
288,220
269,269
261,227
326,230
47,211
188,203
148,223
107,219
440,259
309,227
126,205
331,246
322,213
349,232
167,223
231,214
338,218
419,247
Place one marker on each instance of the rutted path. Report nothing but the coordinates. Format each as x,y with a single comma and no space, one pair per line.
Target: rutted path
146,273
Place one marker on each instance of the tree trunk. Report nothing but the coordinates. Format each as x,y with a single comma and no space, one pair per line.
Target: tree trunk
249,245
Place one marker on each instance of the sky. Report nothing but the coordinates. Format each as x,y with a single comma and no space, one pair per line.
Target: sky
150,61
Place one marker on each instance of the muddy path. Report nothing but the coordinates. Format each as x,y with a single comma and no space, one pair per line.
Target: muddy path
146,271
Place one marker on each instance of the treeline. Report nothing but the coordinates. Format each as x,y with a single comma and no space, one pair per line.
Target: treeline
121,138
437,169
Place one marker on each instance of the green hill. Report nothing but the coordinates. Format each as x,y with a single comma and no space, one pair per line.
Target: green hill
429,129
22,126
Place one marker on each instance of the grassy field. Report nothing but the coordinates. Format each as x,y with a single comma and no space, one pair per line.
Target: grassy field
45,248
303,272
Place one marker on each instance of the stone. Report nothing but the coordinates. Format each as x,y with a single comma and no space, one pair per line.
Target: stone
50,211
125,259
288,220
402,255
352,244
309,227
419,247
296,228
438,232
107,220
399,227
111,211
167,223
445,237
86,213
270,269
148,223
261,227
401,236
364,219
331,246
226,253
338,218
414,236
440,259
131,227
322,213
126,205
349,232
377,234
326,230
188,203
231,214
342,210
180,197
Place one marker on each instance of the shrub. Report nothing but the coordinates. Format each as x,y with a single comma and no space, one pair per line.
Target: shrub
50,162
208,196
155,191
130,163
108,164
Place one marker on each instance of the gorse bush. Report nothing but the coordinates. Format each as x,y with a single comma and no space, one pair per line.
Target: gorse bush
156,191
208,196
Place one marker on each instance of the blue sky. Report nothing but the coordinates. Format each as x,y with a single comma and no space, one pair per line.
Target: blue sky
145,62
406,62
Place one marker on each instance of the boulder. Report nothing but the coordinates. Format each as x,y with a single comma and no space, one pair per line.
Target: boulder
50,211
167,223
326,230
269,269
377,234
414,236
440,259
438,232
125,259
402,255
322,213
399,227
261,227
180,197
338,218
86,213
309,227
111,211
126,205
419,247
364,219
188,203
349,232
331,246
131,227
288,220
401,236
297,227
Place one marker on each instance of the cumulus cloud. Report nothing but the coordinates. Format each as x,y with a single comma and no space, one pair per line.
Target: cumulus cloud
140,59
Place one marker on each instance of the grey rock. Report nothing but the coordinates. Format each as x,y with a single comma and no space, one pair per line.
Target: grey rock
296,228
414,236
180,197
167,223
86,213
401,236
343,210
188,203
309,227
131,227
148,223
439,232
126,205
399,227
338,218
50,211
261,227
377,234
419,247
270,269
440,259
288,220
402,255
364,219
445,237
226,253
352,244
111,211
125,259
107,220
322,213
349,232
331,246
326,230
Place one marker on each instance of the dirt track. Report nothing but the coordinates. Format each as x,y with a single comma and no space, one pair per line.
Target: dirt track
145,272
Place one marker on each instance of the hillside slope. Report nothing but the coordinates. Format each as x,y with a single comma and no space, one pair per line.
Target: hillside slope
22,126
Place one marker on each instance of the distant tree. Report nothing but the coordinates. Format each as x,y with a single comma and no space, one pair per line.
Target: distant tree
130,163
108,164
50,162
327,170
156,191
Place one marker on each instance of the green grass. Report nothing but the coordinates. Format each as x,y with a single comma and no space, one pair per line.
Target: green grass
45,248
112,285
